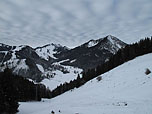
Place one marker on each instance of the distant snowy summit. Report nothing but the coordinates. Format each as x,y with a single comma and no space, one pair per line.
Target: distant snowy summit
110,43
92,53
49,50
53,59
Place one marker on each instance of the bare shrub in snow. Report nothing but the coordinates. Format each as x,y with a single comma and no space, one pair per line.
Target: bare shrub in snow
99,78
52,112
147,71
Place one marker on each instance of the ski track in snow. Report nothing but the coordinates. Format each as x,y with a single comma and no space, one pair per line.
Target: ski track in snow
126,84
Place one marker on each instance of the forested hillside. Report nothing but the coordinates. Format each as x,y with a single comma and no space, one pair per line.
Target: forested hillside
14,88
123,55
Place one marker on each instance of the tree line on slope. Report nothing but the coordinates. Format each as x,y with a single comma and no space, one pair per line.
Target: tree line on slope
123,55
14,88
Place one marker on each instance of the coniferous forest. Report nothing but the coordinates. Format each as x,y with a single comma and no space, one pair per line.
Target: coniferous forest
14,88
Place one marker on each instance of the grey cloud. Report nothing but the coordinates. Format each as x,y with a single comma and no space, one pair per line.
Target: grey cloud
73,22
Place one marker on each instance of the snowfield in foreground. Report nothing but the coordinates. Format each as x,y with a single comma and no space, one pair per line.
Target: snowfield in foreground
123,90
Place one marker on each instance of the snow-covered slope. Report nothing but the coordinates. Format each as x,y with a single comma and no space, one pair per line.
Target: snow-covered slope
13,61
60,78
46,52
123,90
92,43
49,50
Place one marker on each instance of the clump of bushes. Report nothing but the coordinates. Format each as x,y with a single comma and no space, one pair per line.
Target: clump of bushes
99,78
147,71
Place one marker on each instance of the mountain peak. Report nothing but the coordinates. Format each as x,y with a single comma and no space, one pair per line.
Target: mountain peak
109,40
46,52
110,36
110,43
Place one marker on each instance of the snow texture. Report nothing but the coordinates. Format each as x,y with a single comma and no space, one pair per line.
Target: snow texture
46,52
72,61
92,43
40,67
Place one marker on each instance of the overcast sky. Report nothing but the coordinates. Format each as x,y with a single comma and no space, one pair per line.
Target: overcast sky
73,22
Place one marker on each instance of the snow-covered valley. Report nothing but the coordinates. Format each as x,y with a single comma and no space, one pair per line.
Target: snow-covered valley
124,90
61,78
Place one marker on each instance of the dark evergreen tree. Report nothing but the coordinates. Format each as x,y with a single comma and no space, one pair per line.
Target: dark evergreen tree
8,93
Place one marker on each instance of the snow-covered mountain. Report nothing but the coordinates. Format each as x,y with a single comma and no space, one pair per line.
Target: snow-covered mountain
124,90
56,64
109,43
47,52
37,64
91,53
